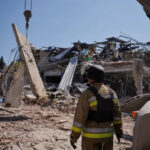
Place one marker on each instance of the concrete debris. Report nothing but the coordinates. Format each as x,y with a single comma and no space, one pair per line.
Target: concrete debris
116,55
4,109
65,128
60,73
30,97
62,121
135,103
14,94
2,78
42,132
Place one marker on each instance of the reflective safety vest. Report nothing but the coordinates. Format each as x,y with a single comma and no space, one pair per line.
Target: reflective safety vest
105,107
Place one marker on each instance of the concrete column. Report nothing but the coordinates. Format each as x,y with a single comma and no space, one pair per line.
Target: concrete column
138,75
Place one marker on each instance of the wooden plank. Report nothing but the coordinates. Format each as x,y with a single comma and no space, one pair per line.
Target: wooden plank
27,57
14,94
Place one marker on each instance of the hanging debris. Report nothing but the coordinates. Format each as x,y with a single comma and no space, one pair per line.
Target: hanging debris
146,6
27,15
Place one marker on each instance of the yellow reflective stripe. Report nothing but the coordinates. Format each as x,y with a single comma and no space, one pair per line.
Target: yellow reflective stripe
76,129
93,104
115,101
97,136
118,122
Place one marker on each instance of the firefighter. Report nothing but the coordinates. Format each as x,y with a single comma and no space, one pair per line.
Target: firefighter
97,114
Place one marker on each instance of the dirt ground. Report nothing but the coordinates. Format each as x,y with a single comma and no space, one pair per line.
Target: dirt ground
32,127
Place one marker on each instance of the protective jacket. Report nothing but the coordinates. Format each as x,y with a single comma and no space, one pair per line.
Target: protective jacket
92,130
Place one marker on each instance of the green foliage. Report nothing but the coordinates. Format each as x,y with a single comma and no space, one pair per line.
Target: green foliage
2,63
17,64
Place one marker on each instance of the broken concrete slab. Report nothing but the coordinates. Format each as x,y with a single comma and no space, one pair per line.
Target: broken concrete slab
135,67
117,67
135,103
27,57
3,88
142,131
14,94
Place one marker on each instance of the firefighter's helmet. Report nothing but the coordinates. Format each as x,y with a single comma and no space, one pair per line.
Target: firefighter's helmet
96,73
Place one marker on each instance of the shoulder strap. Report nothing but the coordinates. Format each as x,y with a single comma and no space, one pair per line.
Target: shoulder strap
95,92
110,92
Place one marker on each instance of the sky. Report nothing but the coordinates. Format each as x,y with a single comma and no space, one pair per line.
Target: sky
61,22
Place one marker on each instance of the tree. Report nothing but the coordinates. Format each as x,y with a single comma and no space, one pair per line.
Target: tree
2,63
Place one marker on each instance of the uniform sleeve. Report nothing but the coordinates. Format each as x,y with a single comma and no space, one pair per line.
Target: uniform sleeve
117,115
81,115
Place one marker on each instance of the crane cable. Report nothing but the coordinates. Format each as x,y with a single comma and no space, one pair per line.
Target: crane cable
28,15
26,4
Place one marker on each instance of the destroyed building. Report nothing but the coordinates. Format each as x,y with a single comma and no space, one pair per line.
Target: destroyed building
116,55
63,70
56,76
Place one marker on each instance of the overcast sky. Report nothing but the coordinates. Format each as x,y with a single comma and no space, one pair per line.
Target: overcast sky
61,22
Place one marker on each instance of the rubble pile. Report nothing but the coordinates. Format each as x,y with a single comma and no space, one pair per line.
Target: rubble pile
31,127
53,62
63,70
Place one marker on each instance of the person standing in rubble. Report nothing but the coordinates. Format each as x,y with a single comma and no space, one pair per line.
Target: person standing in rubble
97,114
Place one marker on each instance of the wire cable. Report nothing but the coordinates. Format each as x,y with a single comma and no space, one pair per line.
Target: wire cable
25,3
31,6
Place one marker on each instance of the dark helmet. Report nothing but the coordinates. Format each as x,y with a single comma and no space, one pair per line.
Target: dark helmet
96,73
